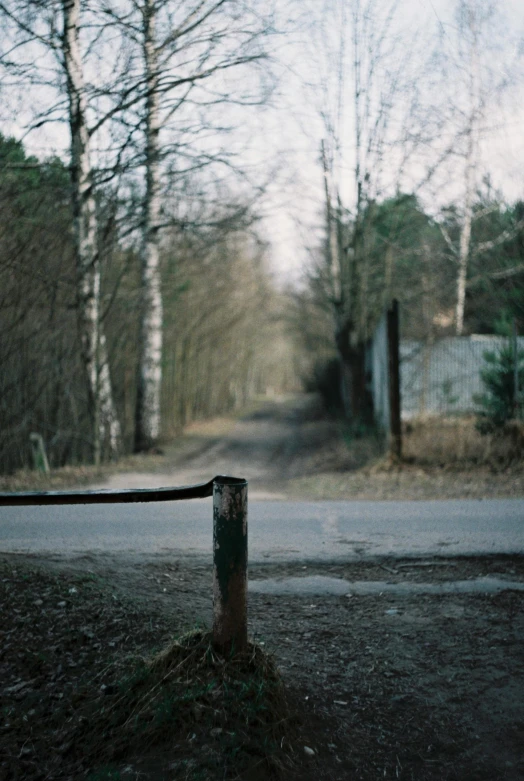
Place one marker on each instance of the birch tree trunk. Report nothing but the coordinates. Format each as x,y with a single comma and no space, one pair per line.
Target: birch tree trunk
465,239
94,352
471,160
147,413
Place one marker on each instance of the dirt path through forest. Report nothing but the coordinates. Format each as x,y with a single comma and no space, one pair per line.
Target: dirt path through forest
289,448
278,441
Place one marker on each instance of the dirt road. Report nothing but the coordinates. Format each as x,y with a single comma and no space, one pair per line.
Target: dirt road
277,442
289,449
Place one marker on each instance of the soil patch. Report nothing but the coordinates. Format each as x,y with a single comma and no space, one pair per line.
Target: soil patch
388,685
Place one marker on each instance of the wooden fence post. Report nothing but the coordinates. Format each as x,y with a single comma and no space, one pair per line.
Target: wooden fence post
515,351
40,462
394,380
229,565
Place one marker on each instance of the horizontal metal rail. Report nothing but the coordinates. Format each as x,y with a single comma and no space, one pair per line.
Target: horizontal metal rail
229,541
114,496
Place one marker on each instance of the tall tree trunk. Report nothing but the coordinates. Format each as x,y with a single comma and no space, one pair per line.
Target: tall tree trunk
94,352
465,237
147,416
334,252
473,131
332,230
353,364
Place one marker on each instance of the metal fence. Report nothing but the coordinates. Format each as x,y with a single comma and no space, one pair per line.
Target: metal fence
442,377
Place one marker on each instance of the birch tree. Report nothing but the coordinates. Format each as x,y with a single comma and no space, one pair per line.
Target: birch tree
34,32
477,76
88,260
164,100
188,50
470,25
147,419
219,349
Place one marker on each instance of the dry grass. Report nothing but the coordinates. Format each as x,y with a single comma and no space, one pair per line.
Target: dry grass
172,451
443,458
74,476
230,712
452,442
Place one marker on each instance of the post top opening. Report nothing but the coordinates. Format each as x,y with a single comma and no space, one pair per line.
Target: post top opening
227,480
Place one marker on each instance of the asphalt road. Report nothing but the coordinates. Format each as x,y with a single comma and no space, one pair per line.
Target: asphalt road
278,530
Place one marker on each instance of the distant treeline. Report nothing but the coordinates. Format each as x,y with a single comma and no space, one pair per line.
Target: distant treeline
223,333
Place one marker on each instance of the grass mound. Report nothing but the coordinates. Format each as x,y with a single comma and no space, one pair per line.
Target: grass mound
213,716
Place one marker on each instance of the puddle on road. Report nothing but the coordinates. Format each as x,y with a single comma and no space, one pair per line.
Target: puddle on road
321,585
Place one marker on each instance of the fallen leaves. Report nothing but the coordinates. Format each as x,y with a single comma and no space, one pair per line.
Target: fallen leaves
57,630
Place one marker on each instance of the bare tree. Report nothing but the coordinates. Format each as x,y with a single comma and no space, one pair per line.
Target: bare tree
219,349
366,97
187,51
471,24
161,73
147,415
51,32
88,261
476,77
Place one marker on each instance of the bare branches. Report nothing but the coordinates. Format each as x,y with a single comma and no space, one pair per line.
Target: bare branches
195,19
506,235
447,238
49,40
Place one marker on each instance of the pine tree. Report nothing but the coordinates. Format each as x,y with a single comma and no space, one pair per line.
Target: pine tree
502,399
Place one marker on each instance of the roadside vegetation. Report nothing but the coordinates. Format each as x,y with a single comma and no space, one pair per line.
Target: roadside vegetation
442,459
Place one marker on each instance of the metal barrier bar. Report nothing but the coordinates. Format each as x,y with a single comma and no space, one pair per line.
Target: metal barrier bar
110,496
229,541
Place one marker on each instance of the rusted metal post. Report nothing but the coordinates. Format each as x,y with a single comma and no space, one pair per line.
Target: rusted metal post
229,541
229,564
